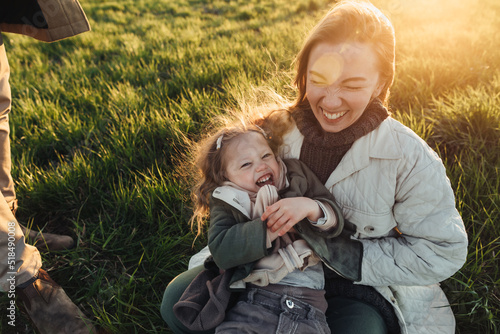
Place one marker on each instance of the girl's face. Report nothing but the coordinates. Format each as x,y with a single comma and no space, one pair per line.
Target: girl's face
250,162
342,79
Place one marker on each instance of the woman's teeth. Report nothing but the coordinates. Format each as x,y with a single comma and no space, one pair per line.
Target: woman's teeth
334,116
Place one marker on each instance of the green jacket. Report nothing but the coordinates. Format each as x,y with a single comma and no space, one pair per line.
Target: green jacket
236,241
45,20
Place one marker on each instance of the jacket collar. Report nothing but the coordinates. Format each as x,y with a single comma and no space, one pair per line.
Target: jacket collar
378,144
238,199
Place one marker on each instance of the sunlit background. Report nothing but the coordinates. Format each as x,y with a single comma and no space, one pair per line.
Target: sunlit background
99,120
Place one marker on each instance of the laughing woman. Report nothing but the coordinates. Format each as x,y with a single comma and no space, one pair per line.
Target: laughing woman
387,181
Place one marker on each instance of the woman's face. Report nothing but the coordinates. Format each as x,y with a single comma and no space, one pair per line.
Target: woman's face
342,79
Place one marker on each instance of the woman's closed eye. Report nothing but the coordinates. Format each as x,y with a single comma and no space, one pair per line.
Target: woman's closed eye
319,83
351,88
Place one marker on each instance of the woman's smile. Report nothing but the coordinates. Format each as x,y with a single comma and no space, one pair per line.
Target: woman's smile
332,116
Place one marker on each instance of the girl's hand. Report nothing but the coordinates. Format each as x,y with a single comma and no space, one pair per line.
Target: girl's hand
285,213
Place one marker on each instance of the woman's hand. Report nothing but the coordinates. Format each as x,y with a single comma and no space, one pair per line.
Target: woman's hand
285,213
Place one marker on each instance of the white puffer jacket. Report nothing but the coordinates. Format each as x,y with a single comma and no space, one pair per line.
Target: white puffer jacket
391,179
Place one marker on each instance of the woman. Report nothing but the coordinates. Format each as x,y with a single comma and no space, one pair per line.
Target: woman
387,181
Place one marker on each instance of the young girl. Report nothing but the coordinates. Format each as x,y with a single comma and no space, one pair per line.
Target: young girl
264,237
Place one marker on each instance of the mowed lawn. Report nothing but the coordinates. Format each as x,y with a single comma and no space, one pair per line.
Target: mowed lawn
99,121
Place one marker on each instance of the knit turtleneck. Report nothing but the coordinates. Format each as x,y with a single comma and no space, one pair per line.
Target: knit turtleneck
322,151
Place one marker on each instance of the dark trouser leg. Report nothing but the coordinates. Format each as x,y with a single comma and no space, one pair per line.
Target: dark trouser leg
172,294
351,316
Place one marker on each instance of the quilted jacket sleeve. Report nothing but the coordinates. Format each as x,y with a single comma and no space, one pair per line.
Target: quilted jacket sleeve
232,239
433,241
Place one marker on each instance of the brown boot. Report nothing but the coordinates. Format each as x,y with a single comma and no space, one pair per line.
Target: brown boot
50,309
48,241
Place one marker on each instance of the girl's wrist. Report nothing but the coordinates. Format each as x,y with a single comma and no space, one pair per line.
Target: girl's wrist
328,218
317,212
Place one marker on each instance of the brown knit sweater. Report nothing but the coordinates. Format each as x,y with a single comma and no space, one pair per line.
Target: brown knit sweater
322,151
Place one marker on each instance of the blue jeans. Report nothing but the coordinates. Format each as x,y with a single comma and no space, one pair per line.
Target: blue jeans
260,311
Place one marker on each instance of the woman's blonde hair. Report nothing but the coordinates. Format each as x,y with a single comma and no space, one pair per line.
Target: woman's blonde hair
350,21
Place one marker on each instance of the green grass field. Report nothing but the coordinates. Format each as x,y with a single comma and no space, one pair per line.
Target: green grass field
98,120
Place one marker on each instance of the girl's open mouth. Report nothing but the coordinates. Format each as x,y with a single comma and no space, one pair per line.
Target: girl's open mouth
266,179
